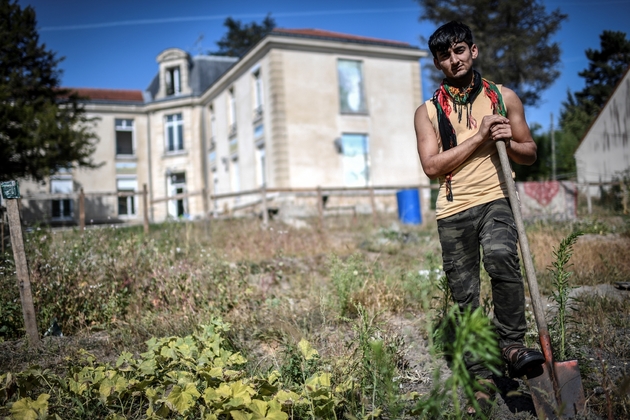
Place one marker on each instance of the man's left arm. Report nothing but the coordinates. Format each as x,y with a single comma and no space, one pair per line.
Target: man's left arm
521,147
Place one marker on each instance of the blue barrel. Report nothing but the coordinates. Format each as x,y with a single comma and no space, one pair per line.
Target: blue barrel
409,207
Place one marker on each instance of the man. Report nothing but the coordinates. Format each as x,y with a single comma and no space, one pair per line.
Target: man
456,132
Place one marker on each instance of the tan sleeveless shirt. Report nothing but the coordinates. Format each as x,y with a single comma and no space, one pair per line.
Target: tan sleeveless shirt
479,179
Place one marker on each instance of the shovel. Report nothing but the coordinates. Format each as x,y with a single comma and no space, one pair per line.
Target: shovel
556,387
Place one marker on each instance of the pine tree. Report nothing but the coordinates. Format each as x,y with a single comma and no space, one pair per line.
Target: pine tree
514,40
240,38
42,127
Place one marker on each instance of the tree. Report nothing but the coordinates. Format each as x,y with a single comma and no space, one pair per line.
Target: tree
42,127
605,69
514,40
240,38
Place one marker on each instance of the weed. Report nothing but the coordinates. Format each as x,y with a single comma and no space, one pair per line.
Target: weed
561,291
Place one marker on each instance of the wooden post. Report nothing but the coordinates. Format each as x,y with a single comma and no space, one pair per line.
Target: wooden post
265,211
11,194
373,203
204,197
81,210
2,233
588,199
145,208
320,207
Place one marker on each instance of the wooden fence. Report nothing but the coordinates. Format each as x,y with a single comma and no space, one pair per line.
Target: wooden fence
211,200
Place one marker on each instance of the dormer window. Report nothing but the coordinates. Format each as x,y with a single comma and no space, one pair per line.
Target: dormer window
173,81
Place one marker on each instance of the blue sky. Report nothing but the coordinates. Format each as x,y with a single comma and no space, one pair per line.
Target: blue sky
114,43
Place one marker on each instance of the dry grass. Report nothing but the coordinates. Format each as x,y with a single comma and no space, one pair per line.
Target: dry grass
275,286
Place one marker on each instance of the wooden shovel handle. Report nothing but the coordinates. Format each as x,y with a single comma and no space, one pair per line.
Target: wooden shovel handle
530,272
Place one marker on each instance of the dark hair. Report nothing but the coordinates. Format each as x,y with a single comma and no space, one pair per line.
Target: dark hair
449,34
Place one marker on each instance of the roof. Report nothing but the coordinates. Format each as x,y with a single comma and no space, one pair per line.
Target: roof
338,36
204,71
109,95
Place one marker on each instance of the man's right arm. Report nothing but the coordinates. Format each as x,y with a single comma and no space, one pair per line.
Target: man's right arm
437,164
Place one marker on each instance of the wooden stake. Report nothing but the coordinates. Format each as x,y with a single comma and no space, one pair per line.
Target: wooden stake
320,207
81,210
373,204
24,282
265,211
145,208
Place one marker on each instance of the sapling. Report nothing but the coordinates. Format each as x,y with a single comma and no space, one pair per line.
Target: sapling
562,289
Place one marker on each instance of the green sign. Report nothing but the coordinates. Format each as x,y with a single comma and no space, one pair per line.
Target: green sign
10,190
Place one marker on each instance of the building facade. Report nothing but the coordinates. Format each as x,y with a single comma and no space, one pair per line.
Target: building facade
604,153
302,108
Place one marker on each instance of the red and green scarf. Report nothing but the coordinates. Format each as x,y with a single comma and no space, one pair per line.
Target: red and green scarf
462,101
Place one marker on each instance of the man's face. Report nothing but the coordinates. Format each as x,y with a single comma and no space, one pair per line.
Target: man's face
457,61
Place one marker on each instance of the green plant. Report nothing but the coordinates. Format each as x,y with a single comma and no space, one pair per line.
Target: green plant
347,277
473,339
377,359
561,290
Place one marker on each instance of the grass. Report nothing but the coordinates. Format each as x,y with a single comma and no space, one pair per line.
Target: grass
364,297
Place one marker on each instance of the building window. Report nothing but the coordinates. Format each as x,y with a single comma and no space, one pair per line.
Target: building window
259,131
356,168
213,127
351,95
235,175
124,137
258,95
173,85
215,180
261,164
61,208
127,203
232,112
174,133
176,184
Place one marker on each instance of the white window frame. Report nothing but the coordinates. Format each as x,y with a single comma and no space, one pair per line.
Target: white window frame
353,160
258,93
235,174
232,112
173,188
127,184
177,125
62,185
125,124
261,164
351,87
172,79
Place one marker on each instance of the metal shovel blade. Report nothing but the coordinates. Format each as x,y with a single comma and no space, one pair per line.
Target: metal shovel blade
543,394
570,387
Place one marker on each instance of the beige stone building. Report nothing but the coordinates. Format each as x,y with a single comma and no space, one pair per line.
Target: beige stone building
302,108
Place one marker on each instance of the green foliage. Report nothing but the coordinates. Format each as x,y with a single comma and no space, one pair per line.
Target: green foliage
561,290
177,377
514,40
473,338
347,277
377,367
240,38
42,127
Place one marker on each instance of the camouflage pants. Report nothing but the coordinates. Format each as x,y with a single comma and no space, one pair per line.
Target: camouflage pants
492,227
